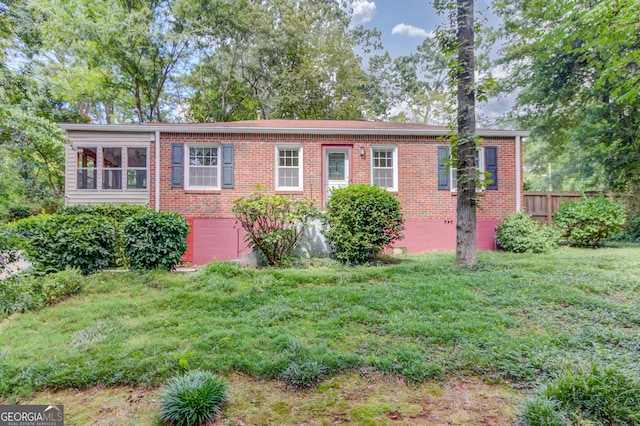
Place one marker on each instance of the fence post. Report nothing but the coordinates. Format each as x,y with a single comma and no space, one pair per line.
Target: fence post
549,209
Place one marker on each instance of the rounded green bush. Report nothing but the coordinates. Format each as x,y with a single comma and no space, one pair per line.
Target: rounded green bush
588,221
360,221
519,233
193,399
155,240
54,243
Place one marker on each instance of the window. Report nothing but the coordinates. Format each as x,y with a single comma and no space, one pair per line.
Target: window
111,168
479,168
136,168
384,167
289,168
87,163
202,169
104,168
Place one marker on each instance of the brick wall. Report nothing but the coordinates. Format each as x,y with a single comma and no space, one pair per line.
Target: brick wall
254,164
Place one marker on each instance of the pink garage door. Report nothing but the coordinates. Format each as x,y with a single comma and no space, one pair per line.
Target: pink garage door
216,239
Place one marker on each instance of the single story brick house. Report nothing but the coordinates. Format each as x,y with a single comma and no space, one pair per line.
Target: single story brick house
197,170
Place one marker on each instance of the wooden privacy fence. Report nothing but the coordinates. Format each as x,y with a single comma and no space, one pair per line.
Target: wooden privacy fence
542,205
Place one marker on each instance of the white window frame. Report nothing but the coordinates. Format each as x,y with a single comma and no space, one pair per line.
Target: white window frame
480,169
99,169
393,148
289,147
187,167
96,169
127,168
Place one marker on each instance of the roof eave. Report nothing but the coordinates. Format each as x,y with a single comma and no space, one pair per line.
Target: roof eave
185,128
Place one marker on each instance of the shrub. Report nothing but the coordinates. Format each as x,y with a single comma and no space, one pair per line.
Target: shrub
54,288
586,397
23,293
53,243
361,220
588,221
304,374
274,223
9,252
155,240
519,233
119,212
193,399
20,212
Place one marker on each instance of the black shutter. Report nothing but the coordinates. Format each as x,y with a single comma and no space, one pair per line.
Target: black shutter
443,167
491,165
227,165
177,167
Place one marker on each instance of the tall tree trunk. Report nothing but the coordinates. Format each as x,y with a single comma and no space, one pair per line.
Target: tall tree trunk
466,167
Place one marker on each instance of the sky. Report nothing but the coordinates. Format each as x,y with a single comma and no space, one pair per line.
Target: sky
403,23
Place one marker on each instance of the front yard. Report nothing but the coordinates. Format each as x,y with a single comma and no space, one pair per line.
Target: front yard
503,327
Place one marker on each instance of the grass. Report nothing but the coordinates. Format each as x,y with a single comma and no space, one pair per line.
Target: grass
514,318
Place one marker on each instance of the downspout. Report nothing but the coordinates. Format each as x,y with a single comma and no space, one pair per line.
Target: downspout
518,173
157,170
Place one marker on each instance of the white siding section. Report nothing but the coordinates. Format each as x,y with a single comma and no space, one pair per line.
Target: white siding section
85,139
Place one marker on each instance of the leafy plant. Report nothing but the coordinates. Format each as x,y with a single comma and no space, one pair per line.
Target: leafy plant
588,221
20,212
304,374
597,396
274,223
53,243
155,240
22,293
193,399
119,212
519,233
361,220
9,252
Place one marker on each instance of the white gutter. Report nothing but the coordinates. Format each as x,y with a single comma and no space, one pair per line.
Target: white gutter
518,173
187,128
157,143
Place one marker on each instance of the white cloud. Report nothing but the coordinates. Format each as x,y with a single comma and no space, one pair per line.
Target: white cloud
363,11
410,31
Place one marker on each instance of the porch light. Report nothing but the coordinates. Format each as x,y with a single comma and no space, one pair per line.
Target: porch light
362,151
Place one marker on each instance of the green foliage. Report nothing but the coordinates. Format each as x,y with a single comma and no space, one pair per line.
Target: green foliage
118,212
9,247
588,221
304,374
155,240
53,288
193,399
360,221
23,293
54,243
19,212
597,396
274,223
575,69
519,233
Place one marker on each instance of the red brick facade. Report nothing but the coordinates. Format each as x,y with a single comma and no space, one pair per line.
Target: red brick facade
430,213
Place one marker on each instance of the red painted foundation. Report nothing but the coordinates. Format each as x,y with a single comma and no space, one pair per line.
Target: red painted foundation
219,239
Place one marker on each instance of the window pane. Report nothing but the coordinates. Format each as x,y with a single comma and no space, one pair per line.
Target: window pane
336,166
87,157
288,177
112,179
136,157
112,157
87,179
203,176
137,179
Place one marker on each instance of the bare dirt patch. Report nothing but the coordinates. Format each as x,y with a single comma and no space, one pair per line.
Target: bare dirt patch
370,399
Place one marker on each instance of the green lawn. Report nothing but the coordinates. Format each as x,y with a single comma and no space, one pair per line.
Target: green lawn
514,318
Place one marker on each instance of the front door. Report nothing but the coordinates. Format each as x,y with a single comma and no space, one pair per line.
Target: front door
337,169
